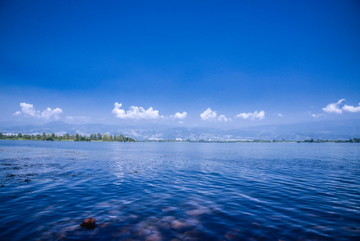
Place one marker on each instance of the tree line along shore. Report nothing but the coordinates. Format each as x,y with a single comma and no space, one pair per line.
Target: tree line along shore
66,137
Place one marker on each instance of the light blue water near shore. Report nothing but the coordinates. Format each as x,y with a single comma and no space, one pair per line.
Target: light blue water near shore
179,191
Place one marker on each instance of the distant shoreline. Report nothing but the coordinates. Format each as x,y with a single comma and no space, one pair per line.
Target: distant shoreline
66,137
353,140
121,138
200,141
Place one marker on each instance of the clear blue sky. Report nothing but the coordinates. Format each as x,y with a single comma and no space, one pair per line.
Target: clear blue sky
289,59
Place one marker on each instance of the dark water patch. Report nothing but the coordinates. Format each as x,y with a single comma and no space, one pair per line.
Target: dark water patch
8,164
8,161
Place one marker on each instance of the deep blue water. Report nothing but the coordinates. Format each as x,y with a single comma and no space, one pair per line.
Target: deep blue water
179,191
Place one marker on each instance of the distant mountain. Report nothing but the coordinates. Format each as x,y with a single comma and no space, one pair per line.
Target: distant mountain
331,130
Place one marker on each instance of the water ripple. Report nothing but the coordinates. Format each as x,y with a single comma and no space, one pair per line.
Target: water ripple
179,191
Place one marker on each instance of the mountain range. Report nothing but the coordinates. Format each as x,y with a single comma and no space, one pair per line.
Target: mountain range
330,130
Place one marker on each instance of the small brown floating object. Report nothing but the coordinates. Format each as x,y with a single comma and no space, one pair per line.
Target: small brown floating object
88,223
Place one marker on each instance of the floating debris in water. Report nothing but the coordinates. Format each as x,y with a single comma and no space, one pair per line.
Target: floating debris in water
27,180
88,223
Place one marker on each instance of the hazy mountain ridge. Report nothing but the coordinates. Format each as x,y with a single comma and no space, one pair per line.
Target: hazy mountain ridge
299,131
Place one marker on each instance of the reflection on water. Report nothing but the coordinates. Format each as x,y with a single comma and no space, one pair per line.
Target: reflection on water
179,191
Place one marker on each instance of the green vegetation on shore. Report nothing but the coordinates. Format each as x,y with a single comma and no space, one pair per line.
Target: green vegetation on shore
352,140
67,137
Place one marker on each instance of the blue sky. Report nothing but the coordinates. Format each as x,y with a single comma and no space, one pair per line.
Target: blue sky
249,62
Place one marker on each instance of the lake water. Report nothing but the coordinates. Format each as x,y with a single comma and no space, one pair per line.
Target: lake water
179,191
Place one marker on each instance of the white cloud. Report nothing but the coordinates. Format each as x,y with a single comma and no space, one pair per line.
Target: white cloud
208,114
351,108
135,112
315,115
256,115
26,109
334,107
280,115
179,115
223,118
48,113
29,110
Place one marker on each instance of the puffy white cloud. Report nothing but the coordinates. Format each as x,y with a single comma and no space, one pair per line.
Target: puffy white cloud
256,115
48,113
29,110
351,108
179,115
135,112
334,107
208,114
26,109
223,118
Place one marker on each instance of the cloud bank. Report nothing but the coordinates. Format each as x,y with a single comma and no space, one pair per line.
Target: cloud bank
47,114
135,112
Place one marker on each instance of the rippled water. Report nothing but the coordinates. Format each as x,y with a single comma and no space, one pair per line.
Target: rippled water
179,191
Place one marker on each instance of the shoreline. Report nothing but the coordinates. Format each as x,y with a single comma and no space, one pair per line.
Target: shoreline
200,141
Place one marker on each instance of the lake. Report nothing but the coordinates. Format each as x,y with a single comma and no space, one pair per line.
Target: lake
179,191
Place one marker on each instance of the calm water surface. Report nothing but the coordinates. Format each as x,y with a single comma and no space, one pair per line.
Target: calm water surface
179,191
